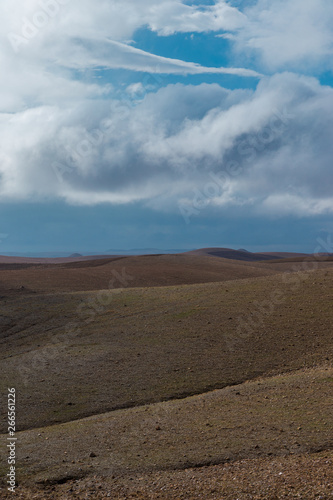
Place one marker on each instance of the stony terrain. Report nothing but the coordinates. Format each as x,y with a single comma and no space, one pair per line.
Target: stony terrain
217,389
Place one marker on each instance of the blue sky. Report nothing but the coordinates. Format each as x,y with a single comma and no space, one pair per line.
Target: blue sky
170,124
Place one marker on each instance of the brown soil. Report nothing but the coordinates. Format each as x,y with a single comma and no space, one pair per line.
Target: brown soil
143,271
169,449
177,390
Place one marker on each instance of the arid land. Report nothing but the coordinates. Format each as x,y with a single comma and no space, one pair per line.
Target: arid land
187,376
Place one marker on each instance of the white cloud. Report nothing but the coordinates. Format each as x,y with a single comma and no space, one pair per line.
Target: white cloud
289,204
277,138
63,138
288,34
169,17
282,34
112,55
78,35
43,41
117,18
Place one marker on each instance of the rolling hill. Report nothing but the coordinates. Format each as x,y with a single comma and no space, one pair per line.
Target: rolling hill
199,366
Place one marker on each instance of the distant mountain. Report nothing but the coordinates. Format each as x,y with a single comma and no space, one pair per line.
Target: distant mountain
226,253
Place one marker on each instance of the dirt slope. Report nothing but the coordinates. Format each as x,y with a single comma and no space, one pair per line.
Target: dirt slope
143,271
279,416
244,255
121,392
81,354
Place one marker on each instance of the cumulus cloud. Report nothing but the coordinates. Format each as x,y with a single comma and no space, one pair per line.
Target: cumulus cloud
119,18
270,148
43,41
287,34
284,34
267,149
170,17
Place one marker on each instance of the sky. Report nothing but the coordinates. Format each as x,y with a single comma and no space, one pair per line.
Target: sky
128,124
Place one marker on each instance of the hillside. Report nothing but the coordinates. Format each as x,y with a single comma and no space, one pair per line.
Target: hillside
161,450
142,271
244,255
162,379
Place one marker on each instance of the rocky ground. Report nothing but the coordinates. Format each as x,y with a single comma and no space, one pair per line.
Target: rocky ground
219,390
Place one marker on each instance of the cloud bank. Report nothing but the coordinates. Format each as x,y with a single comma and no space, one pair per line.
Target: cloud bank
266,150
